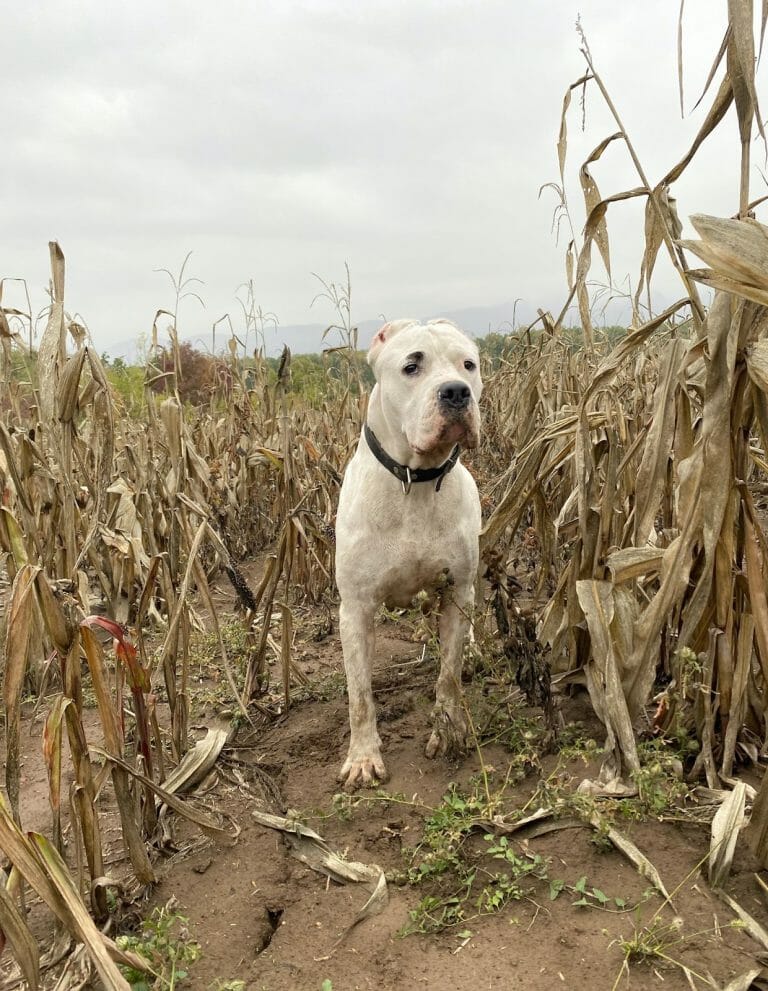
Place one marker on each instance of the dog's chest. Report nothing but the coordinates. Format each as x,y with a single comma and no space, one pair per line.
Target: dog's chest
392,545
401,585
422,554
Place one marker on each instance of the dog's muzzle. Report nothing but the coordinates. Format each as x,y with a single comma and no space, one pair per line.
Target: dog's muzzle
454,397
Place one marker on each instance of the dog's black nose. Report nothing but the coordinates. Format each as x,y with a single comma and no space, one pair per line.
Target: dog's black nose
454,395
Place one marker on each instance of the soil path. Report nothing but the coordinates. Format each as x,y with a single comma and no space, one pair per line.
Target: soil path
264,918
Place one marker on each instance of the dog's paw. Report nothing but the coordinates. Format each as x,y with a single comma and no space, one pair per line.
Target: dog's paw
363,771
449,731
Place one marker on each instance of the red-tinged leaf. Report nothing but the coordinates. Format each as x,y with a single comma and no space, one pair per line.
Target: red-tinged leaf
114,742
115,630
125,651
138,677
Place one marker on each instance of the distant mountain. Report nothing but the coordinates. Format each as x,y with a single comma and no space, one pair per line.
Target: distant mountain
501,318
477,321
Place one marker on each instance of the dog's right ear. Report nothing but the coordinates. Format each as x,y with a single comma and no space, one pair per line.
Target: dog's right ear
385,335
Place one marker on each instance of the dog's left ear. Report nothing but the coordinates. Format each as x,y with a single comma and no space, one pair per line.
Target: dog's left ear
386,334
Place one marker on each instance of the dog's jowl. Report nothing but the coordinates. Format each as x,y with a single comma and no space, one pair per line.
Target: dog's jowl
409,519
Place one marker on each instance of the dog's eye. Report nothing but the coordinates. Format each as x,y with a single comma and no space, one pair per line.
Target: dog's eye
411,368
470,365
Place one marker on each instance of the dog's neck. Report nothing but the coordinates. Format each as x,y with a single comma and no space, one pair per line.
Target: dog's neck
395,442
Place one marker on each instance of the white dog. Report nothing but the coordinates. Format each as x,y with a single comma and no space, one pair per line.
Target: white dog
409,519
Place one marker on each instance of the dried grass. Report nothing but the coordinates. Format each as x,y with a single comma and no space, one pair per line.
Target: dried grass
634,464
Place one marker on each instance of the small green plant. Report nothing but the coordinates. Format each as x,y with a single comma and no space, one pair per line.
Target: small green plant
690,669
522,734
659,781
227,986
529,863
445,830
165,943
344,805
599,837
441,861
652,941
434,914
657,940
507,885
474,890
590,897
572,744
462,887
210,686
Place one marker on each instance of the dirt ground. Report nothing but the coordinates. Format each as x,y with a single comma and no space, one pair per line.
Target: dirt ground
263,918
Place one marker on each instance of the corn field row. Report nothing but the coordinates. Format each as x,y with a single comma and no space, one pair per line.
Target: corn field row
637,466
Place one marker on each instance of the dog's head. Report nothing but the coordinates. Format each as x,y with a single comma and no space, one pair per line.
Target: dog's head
428,377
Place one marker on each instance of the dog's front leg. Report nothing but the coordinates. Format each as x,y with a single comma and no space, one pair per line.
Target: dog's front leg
449,722
363,765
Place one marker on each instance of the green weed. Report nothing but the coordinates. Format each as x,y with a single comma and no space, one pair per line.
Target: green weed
165,943
210,686
660,778
655,943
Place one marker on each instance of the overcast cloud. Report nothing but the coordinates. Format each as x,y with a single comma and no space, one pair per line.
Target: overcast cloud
274,140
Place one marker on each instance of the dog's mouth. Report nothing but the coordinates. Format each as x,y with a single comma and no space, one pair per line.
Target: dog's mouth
450,431
454,432
460,427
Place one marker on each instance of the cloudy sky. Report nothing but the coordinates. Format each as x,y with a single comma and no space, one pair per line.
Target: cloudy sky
408,138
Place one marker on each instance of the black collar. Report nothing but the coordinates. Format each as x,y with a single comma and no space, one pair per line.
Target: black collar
405,475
